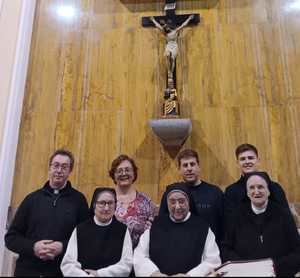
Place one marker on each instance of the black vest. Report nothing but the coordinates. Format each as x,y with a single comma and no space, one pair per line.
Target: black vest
177,247
100,246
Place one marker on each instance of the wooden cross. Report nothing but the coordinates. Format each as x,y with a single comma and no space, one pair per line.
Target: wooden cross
170,25
174,22
171,16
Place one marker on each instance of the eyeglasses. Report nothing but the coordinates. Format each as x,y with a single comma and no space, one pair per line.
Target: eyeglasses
102,204
120,171
63,167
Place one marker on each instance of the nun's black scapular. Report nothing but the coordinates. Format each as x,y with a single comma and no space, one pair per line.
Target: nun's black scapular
208,204
100,246
177,247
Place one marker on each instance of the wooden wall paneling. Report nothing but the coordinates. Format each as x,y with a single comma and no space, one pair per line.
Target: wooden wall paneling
290,41
96,80
50,85
284,147
100,144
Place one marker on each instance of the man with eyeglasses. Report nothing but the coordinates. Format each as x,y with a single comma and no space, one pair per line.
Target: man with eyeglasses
45,220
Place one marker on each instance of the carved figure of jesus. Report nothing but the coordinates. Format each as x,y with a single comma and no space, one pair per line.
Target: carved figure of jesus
171,33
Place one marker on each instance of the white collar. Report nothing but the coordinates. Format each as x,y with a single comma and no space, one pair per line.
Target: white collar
257,210
198,183
57,190
98,223
184,220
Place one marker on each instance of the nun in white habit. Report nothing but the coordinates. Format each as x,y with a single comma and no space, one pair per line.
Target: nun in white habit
180,243
101,246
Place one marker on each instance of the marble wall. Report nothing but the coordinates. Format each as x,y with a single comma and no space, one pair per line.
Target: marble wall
97,76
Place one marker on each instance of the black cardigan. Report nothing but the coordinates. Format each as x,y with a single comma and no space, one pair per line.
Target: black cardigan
272,234
44,215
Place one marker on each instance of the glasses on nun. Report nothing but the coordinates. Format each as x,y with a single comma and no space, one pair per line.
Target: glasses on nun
103,204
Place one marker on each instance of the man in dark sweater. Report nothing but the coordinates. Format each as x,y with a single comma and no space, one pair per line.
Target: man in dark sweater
45,220
208,198
248,161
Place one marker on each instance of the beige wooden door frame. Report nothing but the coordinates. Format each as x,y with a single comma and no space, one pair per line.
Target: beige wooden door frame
20,52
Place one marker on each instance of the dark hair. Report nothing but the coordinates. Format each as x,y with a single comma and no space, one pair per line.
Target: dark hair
116,162
64,153
243,148
187,153
97,192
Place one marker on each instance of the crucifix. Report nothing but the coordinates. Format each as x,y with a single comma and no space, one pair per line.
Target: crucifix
170,25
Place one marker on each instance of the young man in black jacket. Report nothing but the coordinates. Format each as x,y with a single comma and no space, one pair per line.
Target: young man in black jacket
248,162
45,220
208,198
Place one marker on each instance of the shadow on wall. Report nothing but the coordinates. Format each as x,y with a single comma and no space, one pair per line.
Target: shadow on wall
198,143
138,6
161,161
206,153
153,5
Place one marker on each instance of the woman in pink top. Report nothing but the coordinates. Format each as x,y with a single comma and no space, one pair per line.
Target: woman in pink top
135,209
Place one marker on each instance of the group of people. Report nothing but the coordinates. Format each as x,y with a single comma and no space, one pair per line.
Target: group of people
196,228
